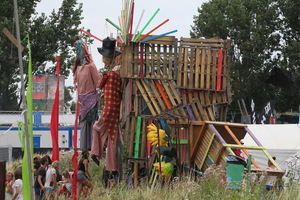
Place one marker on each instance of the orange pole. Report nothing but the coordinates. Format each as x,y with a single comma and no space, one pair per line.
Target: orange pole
152,30
163,94
238,142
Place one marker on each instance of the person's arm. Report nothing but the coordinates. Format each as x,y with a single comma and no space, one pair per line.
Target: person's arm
9,187
17,193
54,180
86,167
40,182
102,81
94,74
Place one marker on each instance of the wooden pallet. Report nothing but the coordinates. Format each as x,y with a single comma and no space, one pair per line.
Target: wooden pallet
154,59
160,95
203,64
217,139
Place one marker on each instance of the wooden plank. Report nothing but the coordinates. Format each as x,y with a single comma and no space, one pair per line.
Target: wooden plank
192,67
202,45
214,70
144,139
195,111
158,97
185,68
167,90
199,40
158,70
136,60
145,96
153,61
224,74
211,140
180,66
151,96
208,69
197,143
202,79
147,68
170,70
162,93
197,68
164,69
12,38
131,141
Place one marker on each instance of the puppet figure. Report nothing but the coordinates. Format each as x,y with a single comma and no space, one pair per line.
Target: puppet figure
105,130
86,77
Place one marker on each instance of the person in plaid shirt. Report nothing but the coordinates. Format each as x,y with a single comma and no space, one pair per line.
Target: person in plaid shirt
105,130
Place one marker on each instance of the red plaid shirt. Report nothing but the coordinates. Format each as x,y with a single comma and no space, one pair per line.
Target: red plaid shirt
111,84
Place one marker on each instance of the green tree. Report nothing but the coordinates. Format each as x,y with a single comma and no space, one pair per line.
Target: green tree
49,37
255,29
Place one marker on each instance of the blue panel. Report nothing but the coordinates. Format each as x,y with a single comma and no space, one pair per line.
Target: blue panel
36,141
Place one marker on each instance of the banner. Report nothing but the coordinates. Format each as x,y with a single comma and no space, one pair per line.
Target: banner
266,112
52,86
39,87
252,111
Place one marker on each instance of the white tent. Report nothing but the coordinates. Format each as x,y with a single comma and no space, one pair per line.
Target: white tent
280,140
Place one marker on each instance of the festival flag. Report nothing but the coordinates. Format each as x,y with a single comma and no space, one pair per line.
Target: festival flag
25,167
25,163
54,119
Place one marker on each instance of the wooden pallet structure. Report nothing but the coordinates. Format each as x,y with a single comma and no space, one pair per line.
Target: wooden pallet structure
216,140
158,81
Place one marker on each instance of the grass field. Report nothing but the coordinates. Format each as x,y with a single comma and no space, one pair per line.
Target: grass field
190,188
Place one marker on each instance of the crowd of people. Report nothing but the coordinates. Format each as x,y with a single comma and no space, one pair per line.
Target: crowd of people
48,182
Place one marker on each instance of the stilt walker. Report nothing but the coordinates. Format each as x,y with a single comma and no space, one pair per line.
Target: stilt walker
86,77
105,130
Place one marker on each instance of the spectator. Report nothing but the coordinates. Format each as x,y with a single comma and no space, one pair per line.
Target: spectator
271,180
239,152
67,179
39,183
36,166
51,183
84,177
18,186
8,185
49,161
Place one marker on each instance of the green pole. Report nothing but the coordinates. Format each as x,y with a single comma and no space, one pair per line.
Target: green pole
146,25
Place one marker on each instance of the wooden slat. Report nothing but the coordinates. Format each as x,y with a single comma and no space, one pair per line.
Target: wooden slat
153,61
180,66
164,69
132,134
202,79
170,71
214,70
151,96
144,139
145,96
147,68
197,68
156,93
136,61
185,68
192,67
158,70
208,69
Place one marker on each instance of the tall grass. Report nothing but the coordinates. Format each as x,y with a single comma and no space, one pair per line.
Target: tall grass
191,188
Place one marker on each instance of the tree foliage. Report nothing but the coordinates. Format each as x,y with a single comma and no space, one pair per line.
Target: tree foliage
267,32
49,37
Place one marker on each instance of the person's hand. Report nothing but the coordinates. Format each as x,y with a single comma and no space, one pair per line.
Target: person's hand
90,179
43,188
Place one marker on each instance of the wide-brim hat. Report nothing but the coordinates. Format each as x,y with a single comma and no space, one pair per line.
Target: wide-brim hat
109,48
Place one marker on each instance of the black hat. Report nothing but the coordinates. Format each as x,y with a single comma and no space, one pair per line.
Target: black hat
109,48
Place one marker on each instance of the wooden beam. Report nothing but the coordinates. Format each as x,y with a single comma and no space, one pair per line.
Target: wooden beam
12,38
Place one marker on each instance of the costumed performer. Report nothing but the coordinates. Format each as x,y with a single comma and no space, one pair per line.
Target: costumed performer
86,77
106,128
